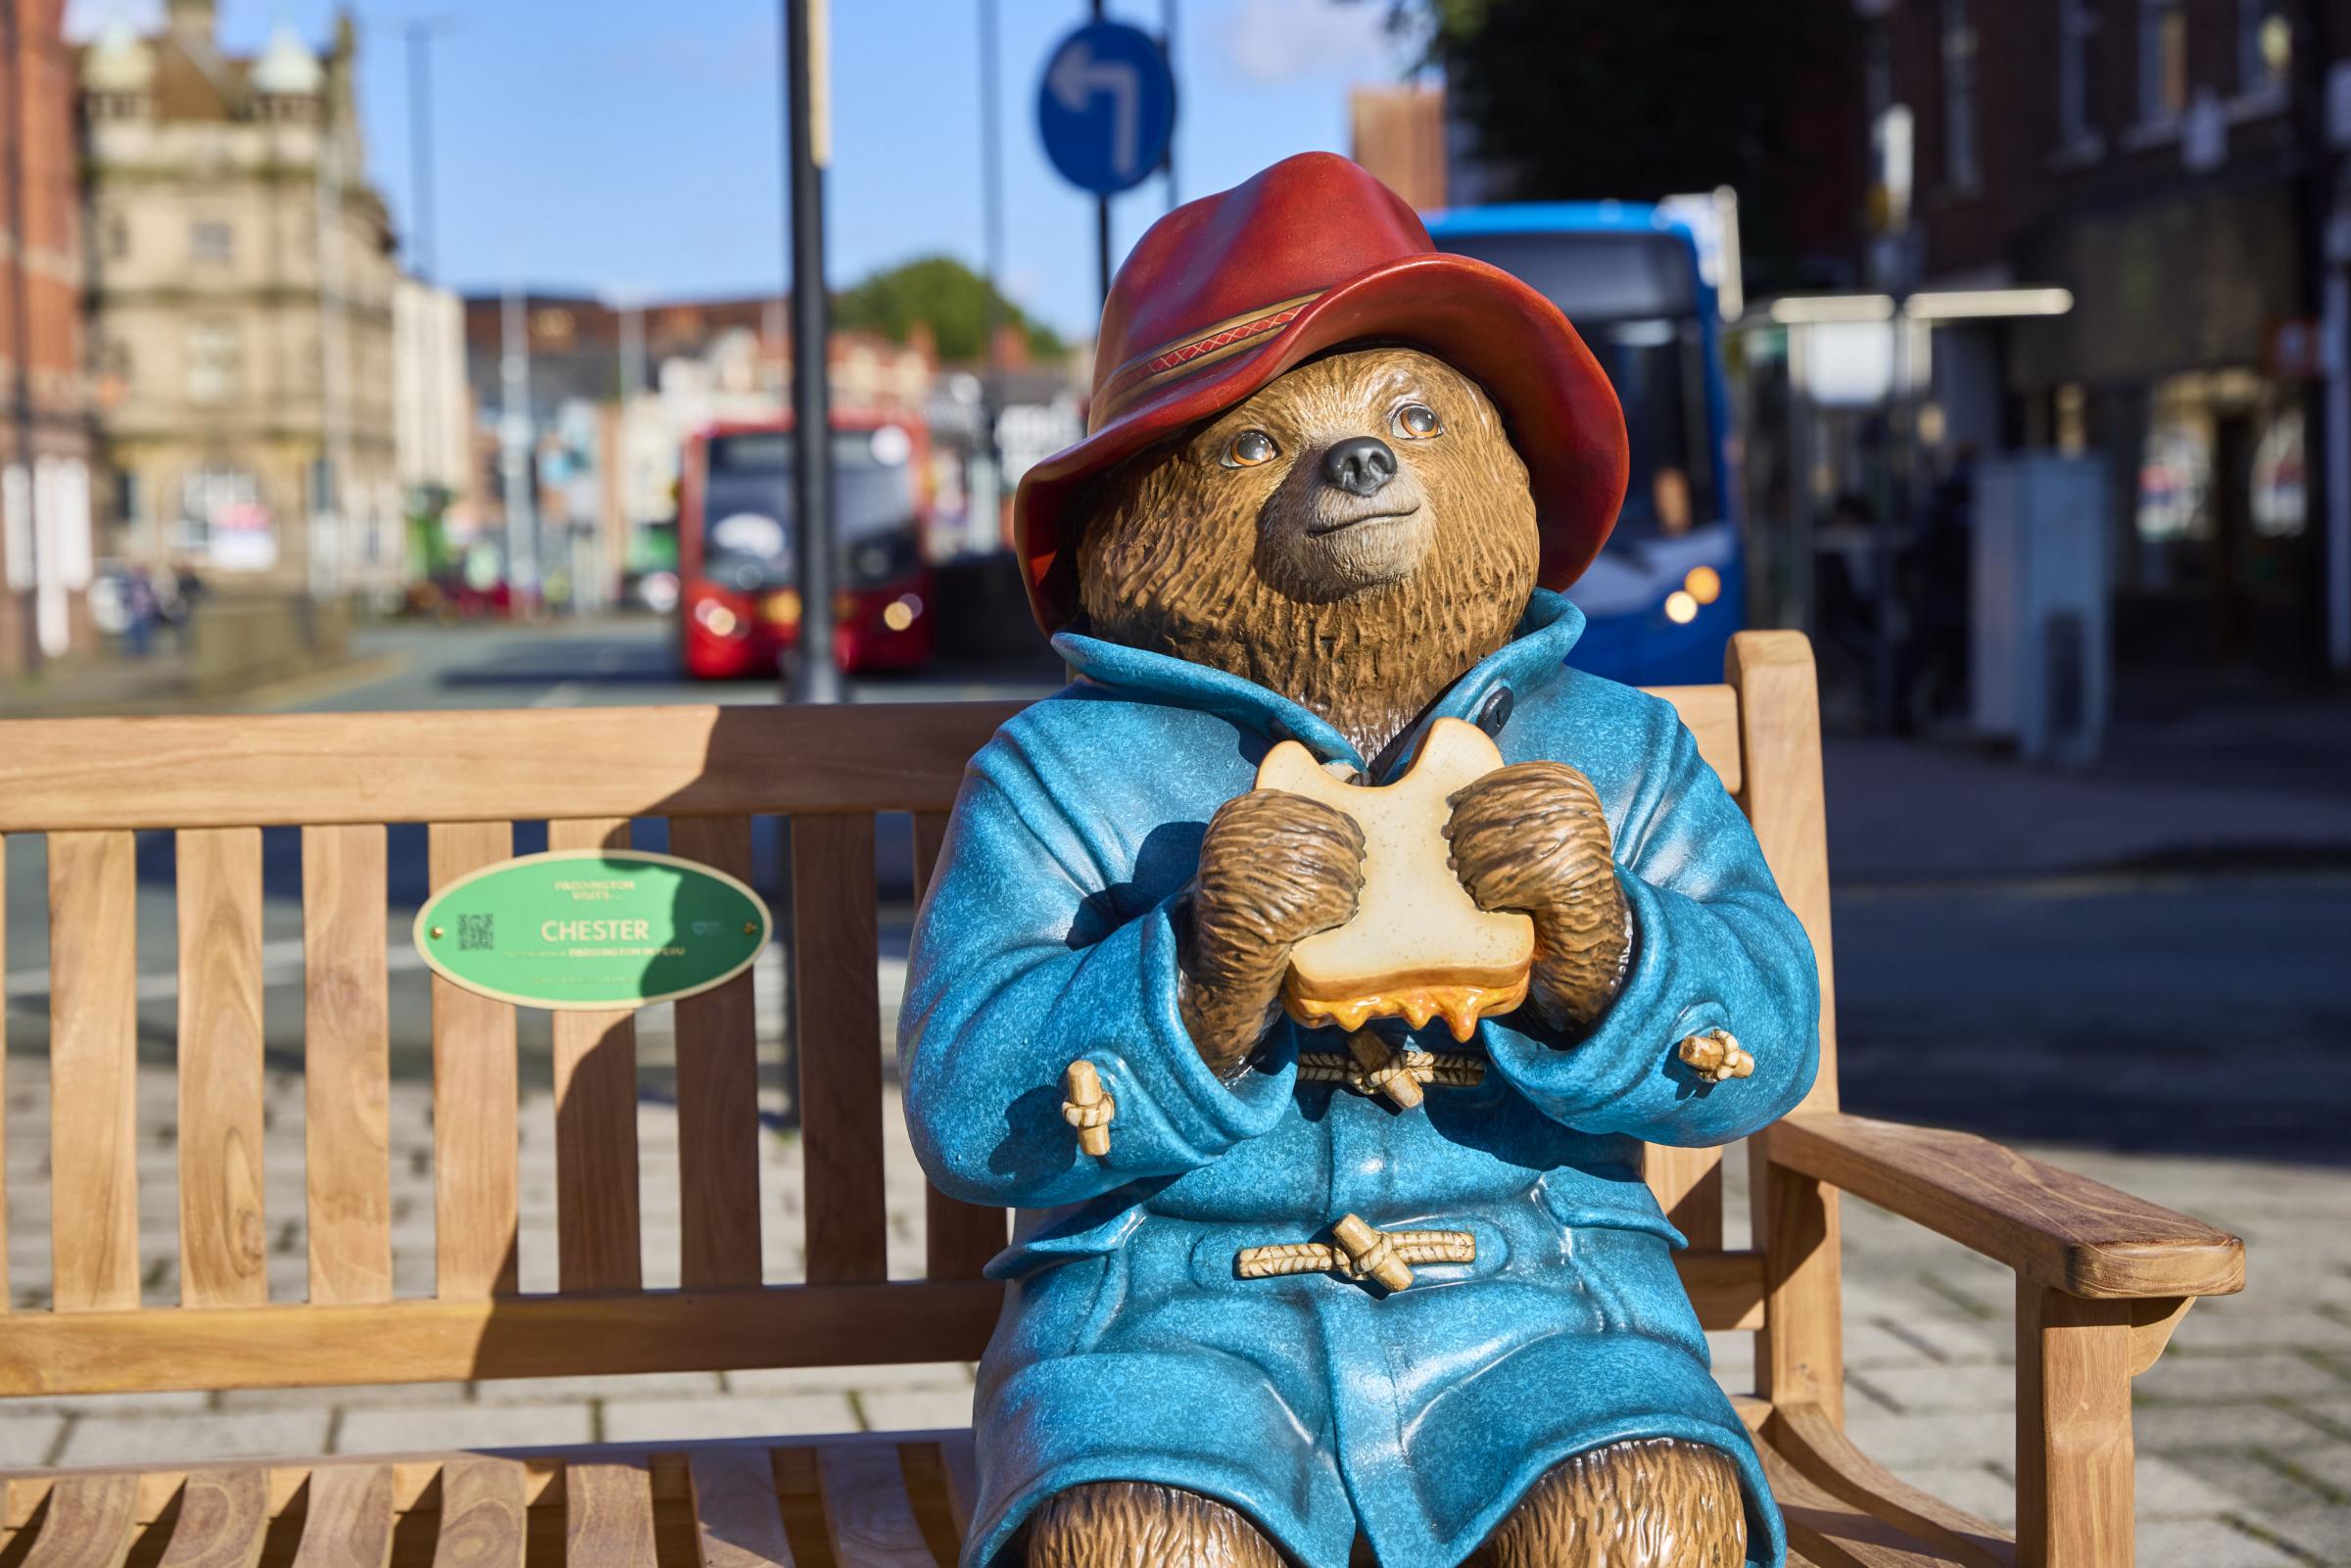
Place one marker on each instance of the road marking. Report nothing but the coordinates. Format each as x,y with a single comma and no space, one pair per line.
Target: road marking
563,694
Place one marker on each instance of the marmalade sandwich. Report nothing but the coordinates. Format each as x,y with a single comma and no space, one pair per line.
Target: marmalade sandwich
1418,945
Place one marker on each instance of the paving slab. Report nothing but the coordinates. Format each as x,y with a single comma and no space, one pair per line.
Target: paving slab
2324,1534
221,1435
408,1428
567,1390
2251,1480
915,1409
777,1416
2205,1379
28,1438
2205,1543
1971,1487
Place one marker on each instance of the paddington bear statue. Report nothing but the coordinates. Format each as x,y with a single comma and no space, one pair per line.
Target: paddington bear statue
1259,1312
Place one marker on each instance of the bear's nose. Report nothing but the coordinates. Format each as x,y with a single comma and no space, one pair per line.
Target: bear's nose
1359,465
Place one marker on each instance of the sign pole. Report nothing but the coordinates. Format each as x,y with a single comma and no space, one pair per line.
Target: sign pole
1101,222
1102,246
814,678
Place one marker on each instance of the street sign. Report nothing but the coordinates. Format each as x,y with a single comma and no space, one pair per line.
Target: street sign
1106,107
594,929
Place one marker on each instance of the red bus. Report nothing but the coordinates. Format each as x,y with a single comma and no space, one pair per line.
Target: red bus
738,608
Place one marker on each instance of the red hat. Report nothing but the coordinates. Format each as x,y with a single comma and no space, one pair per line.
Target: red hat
1225,292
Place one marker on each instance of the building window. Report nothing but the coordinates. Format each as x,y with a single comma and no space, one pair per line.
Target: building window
2162,61
211,240
215,363
2077,32
1959,168
2265,47
117,237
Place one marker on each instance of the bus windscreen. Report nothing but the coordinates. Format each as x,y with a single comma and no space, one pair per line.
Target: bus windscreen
748,507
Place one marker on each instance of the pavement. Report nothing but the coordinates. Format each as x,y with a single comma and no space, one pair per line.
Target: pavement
2135,970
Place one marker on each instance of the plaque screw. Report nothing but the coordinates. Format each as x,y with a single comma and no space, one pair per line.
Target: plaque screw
436,933
750,927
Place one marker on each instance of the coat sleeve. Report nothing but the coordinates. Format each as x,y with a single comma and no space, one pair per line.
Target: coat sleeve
1013,975
1714,946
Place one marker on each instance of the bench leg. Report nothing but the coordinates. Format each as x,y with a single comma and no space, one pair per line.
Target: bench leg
2073,1429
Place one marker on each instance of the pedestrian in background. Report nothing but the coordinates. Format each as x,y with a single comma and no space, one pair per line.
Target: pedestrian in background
140,611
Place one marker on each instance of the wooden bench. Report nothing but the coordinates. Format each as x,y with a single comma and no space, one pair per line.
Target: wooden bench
2102,1279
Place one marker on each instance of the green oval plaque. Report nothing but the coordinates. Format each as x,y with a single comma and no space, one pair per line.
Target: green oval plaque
592,928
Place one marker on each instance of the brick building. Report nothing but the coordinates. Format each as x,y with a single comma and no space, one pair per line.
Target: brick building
44,421
2169,161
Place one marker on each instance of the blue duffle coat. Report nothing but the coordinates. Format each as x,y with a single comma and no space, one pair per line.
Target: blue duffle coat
1319,1406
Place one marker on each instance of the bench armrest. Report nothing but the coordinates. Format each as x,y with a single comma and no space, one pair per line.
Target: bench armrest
2051,1226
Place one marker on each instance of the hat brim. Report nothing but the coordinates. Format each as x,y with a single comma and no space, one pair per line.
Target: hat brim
1560,412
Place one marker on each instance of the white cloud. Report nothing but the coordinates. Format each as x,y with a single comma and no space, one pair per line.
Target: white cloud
1273,41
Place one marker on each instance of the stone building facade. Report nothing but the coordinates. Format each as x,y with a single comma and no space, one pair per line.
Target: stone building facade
241,297
45,489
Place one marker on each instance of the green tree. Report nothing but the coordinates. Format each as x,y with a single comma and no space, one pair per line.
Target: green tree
1583,99
945,294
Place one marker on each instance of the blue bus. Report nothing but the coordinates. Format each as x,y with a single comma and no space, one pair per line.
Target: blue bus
1671,589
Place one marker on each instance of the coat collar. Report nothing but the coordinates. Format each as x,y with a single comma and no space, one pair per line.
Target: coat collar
1484,695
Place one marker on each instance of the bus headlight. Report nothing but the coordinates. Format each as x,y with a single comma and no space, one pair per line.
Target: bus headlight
1681,608
1704,584
716,618
900,613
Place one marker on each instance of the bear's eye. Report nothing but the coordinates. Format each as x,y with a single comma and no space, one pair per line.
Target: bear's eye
1417,421
1249,449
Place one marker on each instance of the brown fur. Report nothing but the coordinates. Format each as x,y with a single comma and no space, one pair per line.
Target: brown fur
1178,554
1654,1503
1274,869
1533,837
1135,1524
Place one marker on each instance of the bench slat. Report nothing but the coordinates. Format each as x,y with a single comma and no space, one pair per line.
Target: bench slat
929,835
291,1344
959,1458
93,1069
838,1018
445,766
482,1514
607,1515
349,1520
738,1521
597,1225
718,1092
347,1065
1688,1183
223,1515
958,1238
1834,1534
90,1523
224,1229
868,1514
474,1103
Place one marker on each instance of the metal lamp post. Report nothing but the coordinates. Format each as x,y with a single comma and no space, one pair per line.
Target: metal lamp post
813,676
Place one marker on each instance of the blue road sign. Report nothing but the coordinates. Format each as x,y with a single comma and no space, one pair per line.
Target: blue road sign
1106,107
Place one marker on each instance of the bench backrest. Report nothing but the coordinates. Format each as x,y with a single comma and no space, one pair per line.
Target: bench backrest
89,785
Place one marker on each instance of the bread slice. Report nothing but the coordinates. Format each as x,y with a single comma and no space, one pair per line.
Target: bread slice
1418,945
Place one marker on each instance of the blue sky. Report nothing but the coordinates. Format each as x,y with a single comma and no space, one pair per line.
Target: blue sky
615,145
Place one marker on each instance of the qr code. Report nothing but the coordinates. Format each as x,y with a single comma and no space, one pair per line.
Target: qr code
477,933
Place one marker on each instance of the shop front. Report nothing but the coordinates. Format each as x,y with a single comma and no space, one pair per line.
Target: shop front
2169,366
